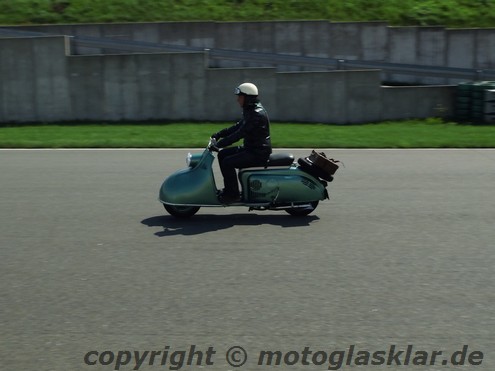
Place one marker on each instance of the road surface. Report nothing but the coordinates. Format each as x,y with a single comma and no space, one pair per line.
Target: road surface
396,267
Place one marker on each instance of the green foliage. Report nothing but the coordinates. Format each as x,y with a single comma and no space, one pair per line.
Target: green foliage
461,13
451,13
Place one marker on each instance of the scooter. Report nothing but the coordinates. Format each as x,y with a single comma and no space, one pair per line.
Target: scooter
281,184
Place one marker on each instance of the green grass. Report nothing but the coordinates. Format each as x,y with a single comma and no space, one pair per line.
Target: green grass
450,13
431,133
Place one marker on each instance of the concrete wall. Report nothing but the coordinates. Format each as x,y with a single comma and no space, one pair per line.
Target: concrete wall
137,86
41,81
374,41
417,101
33,80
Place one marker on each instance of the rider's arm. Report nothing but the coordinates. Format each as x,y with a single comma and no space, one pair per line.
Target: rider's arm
232,134
227,131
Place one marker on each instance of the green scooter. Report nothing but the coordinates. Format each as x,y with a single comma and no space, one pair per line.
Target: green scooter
281,184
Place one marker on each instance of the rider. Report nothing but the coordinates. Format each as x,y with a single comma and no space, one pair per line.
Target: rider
254,127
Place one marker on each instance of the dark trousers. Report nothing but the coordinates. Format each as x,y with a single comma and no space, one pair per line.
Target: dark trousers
237,158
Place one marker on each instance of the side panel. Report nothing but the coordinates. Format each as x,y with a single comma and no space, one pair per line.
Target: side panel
281,185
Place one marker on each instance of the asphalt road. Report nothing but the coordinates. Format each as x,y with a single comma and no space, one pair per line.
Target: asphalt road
92,269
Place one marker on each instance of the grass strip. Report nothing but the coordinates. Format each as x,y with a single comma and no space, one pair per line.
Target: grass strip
430,133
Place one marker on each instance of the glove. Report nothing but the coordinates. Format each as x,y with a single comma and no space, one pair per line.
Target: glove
215,136
212,146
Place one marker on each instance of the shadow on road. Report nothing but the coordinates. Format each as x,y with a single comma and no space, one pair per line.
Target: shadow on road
200,224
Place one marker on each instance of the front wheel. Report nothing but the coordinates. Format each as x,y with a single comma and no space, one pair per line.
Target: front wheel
181,211
303,211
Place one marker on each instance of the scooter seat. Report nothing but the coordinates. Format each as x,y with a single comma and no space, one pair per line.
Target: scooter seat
280,159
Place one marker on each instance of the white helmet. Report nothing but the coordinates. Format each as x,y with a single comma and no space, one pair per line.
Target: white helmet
246,88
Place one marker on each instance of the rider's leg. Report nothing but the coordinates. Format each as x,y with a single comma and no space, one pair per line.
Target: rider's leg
231,159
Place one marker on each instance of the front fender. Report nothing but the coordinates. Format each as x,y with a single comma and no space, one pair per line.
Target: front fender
191,186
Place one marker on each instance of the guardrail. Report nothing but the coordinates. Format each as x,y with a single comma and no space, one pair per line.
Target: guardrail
272,59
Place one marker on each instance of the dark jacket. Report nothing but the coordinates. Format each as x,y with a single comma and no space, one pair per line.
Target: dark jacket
254,127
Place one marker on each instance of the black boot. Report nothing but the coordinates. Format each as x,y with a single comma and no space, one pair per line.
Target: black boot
226,197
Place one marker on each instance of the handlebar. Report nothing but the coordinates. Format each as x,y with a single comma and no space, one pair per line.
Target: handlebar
212,145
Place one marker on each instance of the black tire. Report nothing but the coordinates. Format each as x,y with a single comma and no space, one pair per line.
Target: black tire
297,211
181,211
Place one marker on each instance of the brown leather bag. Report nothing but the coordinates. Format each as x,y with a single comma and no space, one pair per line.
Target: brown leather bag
320,160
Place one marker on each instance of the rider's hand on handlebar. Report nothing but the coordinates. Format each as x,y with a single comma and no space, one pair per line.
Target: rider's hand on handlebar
212,146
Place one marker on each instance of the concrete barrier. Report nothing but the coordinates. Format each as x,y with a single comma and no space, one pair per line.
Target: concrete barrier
409,102
33,81
41,81
485,48
375,41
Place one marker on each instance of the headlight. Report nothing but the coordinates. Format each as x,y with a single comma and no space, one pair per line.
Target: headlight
193,160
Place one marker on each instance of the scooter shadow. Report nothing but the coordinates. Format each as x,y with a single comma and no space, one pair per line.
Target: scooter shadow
206,223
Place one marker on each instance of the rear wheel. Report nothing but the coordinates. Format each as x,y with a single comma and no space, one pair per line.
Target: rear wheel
181,211
303,211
